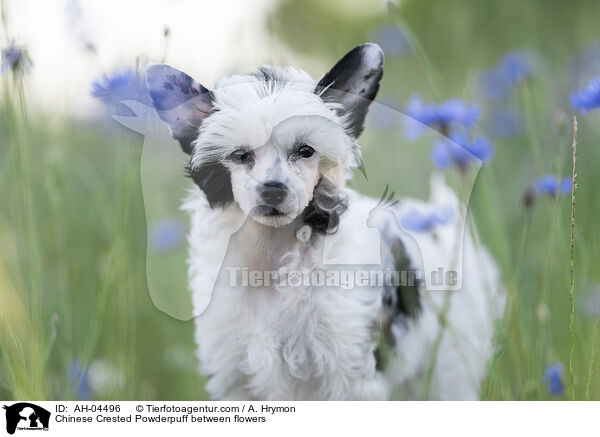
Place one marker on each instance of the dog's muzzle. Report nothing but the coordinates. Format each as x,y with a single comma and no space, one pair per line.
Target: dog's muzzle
273,193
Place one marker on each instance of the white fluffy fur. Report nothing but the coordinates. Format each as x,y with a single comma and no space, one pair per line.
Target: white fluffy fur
317,343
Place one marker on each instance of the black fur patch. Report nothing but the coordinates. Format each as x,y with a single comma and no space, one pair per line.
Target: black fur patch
323,212
402,303
215,180
405,300
185,142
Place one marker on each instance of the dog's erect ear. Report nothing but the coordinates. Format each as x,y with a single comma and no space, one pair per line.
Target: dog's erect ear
353,82
180,101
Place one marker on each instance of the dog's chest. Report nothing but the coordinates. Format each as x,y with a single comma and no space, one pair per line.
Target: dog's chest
299,344
292,342
305,338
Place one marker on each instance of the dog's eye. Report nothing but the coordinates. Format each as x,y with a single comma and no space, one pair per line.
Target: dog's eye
241,156
305,151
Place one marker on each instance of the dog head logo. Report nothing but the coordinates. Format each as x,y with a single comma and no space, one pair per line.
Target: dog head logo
26,416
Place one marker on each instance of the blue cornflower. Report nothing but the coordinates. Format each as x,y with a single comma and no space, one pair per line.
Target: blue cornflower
510,70
516,66
424,221
393,40
554,378
506,122
585,67
589,97
550,185
459,151
16,59
121,85
167,235
443,116
78,377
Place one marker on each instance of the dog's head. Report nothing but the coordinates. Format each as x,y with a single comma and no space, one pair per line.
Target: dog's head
276,142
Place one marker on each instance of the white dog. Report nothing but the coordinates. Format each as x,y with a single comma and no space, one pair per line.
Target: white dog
271,153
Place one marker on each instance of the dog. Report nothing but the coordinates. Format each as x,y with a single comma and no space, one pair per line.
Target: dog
270,154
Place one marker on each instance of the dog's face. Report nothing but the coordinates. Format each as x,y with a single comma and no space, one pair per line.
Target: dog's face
274,182
270,141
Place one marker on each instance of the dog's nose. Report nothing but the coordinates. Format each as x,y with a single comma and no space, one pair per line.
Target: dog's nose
273,192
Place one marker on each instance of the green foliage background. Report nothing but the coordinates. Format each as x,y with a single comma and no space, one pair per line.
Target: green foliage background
72,225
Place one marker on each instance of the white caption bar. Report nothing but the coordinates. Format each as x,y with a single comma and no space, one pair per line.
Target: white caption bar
298,418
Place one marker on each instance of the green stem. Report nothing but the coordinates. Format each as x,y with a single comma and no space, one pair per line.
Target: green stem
588,386
572,319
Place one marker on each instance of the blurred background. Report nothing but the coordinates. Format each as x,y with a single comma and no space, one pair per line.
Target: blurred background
89,212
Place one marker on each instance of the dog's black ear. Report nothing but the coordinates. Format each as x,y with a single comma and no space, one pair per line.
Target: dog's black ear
180,101
353,83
